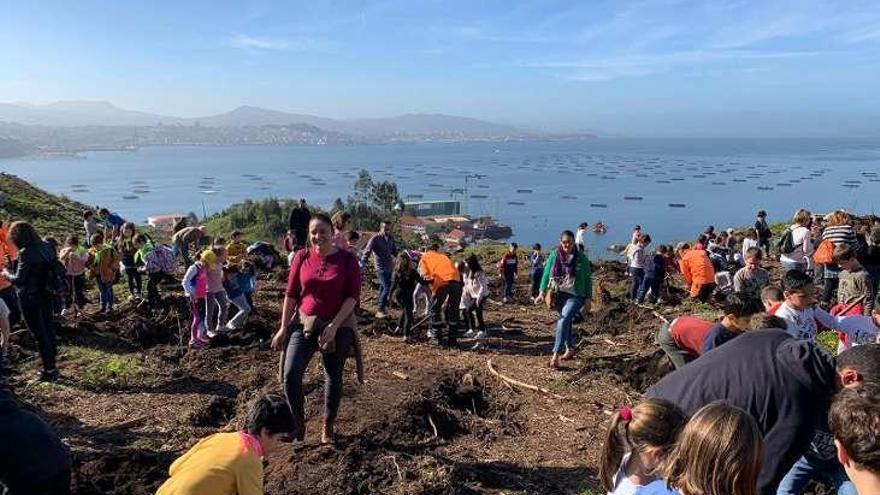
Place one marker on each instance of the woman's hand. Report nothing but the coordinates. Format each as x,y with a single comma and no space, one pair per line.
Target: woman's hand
538,298
278,339
327,335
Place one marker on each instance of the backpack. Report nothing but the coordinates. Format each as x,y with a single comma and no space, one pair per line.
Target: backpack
824,254
161,260
786,242
56,276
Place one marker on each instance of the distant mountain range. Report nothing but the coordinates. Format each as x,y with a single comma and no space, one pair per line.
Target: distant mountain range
102,113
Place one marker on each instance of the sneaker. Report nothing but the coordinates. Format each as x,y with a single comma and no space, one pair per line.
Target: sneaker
480,335
212,334
504,300
48,376
469,334
380,314
66,312
198,344
231,326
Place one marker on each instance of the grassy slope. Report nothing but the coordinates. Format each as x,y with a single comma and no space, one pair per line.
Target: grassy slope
50,214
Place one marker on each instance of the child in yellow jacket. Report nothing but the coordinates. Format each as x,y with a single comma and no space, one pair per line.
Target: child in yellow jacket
230,463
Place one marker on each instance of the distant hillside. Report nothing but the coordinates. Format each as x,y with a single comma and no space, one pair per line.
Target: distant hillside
102,113
78,113
51,215
256,116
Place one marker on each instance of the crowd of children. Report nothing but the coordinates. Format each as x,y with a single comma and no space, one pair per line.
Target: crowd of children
737,415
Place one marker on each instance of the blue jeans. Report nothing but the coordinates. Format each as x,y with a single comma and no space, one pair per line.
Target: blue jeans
652,283
567,305
808,468
508,284
535,286
636,276
384,288
105,293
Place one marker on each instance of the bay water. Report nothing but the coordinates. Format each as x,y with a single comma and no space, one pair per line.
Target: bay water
538,188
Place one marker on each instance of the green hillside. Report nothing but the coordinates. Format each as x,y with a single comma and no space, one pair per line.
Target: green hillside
50,214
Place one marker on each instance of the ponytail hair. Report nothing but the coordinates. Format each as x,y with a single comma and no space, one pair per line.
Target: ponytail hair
652,423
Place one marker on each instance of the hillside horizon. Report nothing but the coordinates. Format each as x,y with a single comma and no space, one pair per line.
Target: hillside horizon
81,113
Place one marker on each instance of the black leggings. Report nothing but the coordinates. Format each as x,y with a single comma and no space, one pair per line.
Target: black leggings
296,358
474,316
407,308
134,280
76,291
37,313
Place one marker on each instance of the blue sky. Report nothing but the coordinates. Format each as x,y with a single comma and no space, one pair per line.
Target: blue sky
645,68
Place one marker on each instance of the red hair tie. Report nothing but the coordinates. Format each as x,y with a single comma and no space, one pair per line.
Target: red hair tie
625,413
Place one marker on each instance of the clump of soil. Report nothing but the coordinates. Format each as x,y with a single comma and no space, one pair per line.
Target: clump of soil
129,471
639,371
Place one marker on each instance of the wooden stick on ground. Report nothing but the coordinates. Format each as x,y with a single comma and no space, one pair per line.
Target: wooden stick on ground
433,426
658,315
517,383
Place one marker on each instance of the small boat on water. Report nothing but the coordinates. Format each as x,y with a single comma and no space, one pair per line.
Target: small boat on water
765,188
414,196
633,198
130,197
677,205
663,182
719,183
435,185
208,191
851,185
515,203
783,184
598,205
677,179
568,197
524,191
479,196
740,180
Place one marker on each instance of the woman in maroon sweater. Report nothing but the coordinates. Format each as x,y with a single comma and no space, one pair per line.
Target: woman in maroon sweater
323,287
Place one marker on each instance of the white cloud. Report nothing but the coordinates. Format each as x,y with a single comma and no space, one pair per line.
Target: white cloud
254,43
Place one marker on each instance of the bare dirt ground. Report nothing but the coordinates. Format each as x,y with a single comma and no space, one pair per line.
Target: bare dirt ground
428,420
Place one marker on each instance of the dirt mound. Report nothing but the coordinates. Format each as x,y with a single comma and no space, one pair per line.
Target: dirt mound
128,471
403,452
639,371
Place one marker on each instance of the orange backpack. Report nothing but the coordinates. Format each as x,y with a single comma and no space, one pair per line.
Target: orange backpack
824,254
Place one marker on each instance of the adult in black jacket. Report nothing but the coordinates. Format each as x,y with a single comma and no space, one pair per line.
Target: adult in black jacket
785,383
32,458
298,223
31,282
